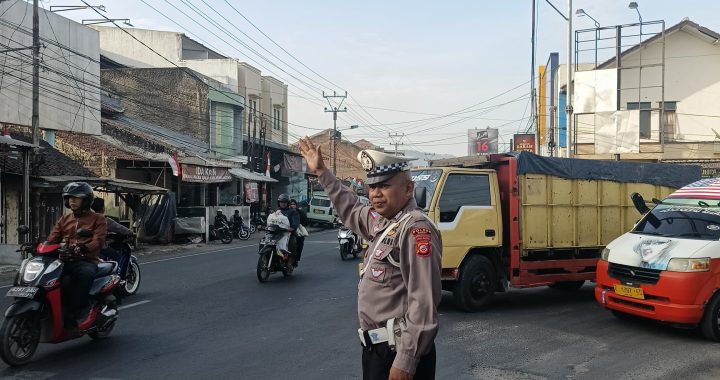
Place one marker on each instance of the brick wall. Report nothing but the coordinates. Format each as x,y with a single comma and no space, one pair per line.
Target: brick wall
167,97
346,161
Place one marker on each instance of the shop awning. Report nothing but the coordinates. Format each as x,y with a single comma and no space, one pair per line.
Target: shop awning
110,185
246,174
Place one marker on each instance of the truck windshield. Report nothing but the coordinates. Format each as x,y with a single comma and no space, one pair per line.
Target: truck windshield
683,221
428,179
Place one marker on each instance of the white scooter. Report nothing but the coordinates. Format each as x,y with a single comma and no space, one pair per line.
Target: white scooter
350,243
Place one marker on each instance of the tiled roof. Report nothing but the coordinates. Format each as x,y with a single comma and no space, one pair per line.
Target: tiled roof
97,146
48,162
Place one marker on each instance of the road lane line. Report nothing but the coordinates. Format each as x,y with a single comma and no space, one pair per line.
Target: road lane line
133,304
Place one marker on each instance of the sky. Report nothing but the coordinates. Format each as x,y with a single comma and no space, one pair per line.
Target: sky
426,70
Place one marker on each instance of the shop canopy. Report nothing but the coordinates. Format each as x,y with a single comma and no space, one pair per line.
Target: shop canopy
246,174
110,185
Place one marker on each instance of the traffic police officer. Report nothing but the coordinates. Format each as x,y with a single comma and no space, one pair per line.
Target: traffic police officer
400,287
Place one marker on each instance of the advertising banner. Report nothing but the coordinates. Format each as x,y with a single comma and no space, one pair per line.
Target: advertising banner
482,141
205,174
524,142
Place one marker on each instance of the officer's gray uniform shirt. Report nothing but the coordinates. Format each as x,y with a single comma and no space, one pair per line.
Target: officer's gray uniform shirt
411,291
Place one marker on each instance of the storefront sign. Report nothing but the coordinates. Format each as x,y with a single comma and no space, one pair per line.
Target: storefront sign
205,174
251,192
524,143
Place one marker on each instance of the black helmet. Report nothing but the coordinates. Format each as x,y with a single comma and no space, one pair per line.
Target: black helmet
78,190
284,198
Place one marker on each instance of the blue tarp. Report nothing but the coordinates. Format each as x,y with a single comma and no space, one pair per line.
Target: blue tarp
672,175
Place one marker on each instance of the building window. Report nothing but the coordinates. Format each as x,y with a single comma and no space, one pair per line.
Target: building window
645,112
463,190
669,120
276,118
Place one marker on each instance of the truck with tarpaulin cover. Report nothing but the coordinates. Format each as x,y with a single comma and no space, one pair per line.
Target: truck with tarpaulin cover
524,220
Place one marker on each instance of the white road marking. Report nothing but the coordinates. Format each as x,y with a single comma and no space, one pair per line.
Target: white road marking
133,304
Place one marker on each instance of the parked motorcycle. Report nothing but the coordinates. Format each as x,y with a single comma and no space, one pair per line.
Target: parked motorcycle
240,230
36,314
128,266
350,243
223,233
272,259
257,223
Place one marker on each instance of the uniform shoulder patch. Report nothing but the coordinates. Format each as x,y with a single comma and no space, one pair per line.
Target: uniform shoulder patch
422,241
420,231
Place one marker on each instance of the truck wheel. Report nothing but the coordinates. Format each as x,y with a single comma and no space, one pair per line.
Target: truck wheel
476,285
710,324
568,285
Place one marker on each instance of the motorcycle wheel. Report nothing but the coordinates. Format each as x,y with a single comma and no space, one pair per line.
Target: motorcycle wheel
132,279
343,248
227,237
253,228
263,273
20,338
244,234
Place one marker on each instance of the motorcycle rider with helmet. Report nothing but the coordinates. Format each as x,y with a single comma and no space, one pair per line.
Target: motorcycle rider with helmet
220,218
294,219
81,265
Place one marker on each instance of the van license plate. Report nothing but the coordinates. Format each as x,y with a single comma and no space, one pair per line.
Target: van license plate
22,291
319,211
629,291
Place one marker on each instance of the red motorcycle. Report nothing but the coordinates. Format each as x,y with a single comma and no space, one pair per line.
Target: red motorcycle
37,316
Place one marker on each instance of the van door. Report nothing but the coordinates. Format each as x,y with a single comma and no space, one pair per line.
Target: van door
467,212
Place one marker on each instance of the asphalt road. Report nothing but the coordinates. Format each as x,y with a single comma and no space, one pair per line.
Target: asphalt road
203,315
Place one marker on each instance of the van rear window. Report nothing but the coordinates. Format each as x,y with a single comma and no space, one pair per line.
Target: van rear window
320,202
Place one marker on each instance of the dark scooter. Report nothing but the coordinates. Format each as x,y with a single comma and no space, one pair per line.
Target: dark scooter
222,232
272,259
36,315
128,266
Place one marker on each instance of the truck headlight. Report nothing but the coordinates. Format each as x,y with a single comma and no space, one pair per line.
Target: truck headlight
605,254
689,265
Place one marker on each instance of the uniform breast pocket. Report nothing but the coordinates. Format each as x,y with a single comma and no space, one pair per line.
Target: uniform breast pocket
379,272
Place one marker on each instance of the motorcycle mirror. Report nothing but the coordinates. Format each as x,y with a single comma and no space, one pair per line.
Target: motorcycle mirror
84,233
421,196
23,229
639,203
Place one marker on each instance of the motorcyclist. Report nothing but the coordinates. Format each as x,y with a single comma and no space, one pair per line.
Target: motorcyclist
294,219
220,218
80,267
304,221
114,227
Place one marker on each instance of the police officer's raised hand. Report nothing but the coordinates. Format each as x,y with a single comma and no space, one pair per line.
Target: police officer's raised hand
398,374
312,155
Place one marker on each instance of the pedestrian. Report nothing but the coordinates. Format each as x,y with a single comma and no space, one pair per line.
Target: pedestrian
304,222
400,287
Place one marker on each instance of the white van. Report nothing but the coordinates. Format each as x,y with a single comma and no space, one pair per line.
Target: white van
322,212
667,268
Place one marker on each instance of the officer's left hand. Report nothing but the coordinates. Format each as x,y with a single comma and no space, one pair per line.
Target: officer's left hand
398,374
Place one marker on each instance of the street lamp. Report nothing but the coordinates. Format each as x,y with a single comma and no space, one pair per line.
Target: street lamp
125,21
338,135
580,13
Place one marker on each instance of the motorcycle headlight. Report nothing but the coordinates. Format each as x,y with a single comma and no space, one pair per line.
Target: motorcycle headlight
689,265
32,270
605,254
344,234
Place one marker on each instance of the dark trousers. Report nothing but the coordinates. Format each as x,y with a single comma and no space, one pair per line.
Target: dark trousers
300,246
122,258
78,277
378,358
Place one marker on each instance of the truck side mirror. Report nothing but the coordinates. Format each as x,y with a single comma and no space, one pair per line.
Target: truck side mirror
420,196
639,203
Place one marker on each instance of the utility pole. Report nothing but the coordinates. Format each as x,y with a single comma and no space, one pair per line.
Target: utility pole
570,130
335,111
396,139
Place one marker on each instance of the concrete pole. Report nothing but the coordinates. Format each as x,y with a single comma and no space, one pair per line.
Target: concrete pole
569,90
